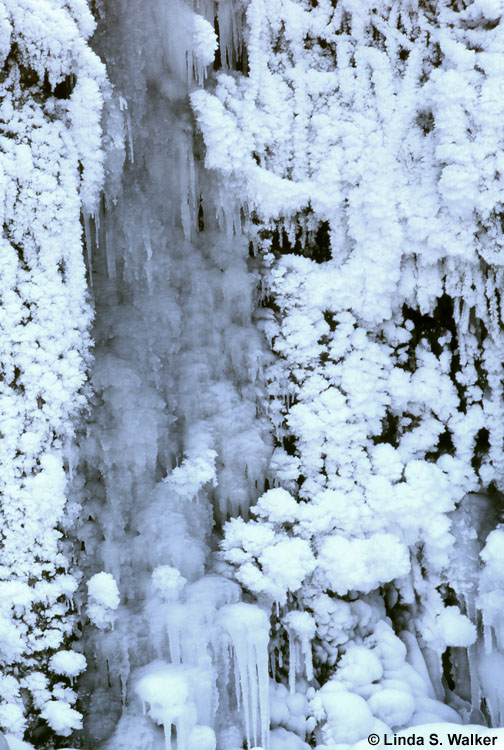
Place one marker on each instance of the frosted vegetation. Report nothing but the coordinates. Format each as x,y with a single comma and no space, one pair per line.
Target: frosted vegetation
50,167
263,509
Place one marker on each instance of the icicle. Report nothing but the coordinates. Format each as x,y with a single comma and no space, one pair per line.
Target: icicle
229,33
242,655
167,689
87,237
174,625
192,181
203,48
490,669
252,668
307,652
472,659
292,663
248,628
129,134
263,677
124,674
148,250
236,670
110,254
97,228
228,210
488,640
300,625
186,214
147,242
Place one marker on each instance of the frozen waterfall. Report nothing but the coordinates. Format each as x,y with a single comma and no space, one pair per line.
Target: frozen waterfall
174,439
256,501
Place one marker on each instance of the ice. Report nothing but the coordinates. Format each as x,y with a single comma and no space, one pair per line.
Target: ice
428,710
348,716
394,707
455,628
289,710
489,598
129,133
230,32
417,661
490,668
88,245
359,666
10,742
176,696
103,599
168,582
202,737
362,402
247,627
282,739
301,627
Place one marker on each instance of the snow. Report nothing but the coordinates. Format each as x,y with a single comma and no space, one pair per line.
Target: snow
360,564
16,744
61,717
205,41
282,739
348,716
394,707
69,663
171,693
12,716
103,599
359,666
168,582
455,628
277,470
44,330
103,589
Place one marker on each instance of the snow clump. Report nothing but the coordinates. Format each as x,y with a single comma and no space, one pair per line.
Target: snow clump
103,600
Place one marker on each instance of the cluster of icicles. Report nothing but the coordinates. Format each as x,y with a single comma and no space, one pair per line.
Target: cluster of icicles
181,694
175,432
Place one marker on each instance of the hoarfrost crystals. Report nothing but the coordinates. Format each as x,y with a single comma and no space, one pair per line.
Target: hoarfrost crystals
287,489
50,167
